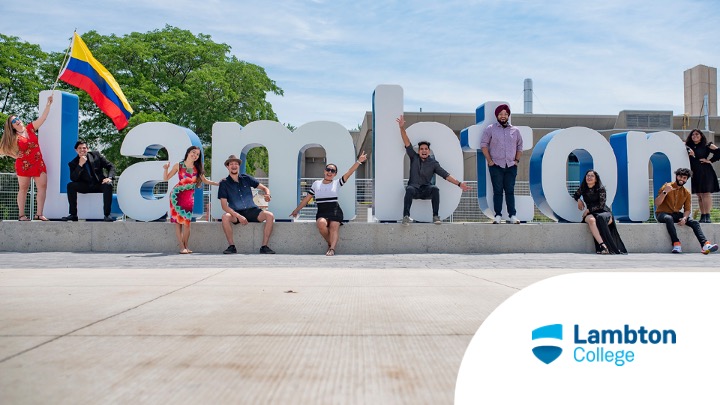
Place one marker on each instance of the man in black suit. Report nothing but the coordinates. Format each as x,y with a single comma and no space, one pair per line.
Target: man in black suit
87,175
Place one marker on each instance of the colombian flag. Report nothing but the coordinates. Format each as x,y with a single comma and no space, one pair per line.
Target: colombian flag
85,72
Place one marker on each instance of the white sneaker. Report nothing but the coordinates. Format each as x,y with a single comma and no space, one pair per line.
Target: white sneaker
497,220
514,220
677,249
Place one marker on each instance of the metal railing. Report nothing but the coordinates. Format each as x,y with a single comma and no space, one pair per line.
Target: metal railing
467,210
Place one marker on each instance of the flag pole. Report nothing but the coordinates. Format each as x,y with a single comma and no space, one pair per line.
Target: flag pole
65,60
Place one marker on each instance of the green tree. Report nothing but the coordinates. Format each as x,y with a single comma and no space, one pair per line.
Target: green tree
20,83
175,76
19,79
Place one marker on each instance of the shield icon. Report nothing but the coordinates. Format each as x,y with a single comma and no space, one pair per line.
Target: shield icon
546,353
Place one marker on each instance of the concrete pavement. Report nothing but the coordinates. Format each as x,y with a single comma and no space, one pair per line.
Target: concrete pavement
306,329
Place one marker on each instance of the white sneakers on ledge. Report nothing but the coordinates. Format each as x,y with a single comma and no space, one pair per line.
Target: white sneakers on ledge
513,220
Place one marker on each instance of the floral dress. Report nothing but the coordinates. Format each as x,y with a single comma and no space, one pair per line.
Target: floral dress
29,162
182,196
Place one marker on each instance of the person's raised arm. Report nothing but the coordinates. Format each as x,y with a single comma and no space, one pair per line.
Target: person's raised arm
166,175
401,123
361,159
41,119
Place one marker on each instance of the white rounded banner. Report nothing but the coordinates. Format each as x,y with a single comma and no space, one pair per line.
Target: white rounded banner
598,338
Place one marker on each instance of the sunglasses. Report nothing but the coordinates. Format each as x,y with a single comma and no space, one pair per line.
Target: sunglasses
15,121
330,170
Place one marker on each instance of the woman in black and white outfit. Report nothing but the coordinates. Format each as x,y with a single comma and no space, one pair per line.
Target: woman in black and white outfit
329,214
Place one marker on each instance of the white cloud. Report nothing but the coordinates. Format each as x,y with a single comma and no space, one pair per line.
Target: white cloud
596,57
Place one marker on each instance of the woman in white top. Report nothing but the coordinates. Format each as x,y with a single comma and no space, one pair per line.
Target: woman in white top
329,214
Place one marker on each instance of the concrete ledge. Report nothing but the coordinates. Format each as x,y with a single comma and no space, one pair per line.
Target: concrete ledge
355,238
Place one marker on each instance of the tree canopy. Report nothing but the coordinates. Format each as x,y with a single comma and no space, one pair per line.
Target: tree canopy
168,74
20,82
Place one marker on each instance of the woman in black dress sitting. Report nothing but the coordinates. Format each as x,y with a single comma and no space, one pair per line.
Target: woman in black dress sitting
704,179
597,215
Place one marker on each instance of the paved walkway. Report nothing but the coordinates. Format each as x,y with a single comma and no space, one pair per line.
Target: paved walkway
151,328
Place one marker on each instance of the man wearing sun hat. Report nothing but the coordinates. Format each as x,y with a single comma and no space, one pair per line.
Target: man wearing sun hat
502,145
236,199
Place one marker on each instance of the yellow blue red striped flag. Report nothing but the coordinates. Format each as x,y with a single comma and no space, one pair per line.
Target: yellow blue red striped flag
85,72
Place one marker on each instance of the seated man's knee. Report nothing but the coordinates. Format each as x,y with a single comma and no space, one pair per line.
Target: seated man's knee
267,216
411,190
227,217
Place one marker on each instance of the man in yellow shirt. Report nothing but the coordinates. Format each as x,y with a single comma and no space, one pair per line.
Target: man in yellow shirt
673,197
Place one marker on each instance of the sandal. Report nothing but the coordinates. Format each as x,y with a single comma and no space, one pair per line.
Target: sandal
23,218
604,250
40,217
330,252
184,252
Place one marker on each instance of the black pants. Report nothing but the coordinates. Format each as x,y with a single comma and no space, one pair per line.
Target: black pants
503,181
670,219
75,187
428,192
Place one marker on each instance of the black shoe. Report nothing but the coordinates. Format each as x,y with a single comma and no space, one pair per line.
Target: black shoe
70,218
230,249
108,218
266,250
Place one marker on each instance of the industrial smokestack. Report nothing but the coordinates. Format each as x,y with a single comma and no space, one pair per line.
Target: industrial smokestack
707,113
528,96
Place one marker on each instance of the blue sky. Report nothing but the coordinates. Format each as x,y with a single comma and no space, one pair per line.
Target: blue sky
585,57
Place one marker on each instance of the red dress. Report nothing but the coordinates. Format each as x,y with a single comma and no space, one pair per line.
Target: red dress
29,162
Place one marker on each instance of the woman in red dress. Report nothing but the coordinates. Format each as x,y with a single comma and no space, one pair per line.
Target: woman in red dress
21,142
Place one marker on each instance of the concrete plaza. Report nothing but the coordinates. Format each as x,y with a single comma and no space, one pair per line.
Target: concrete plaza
255,329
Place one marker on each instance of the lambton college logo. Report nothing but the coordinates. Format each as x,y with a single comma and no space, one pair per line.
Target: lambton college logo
545,353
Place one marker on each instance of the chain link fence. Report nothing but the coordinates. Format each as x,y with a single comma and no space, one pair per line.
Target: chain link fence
467,210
